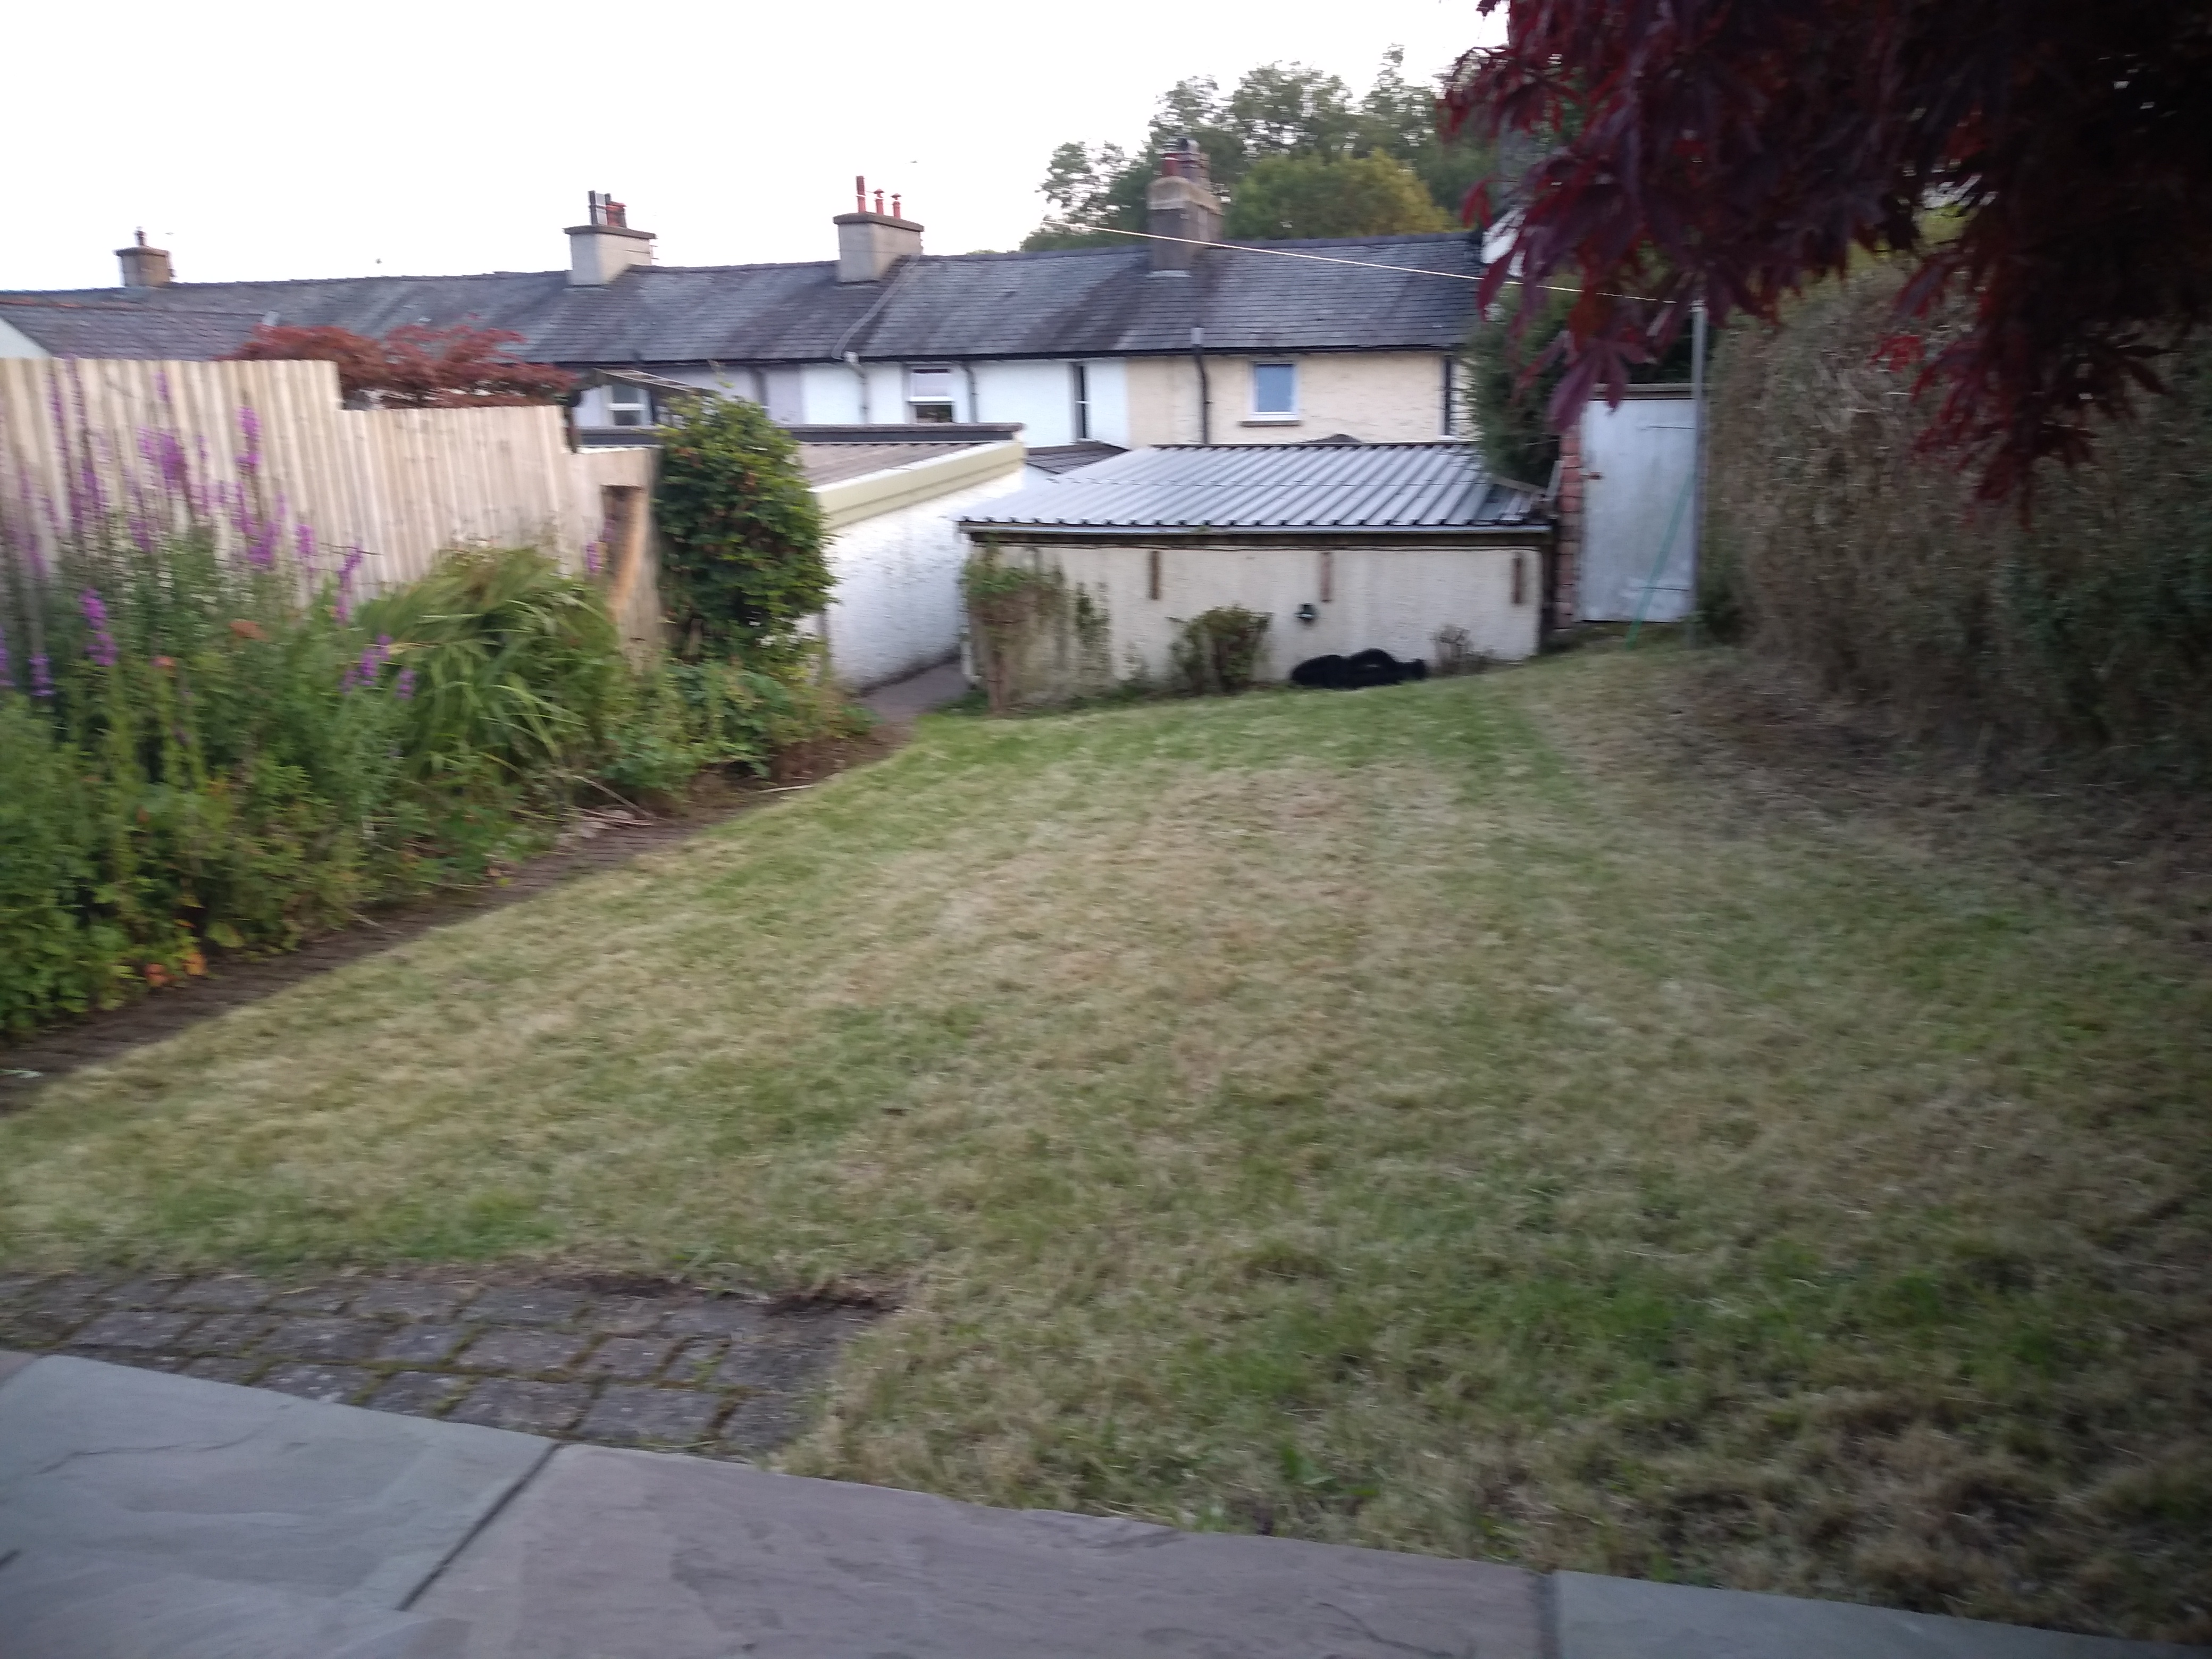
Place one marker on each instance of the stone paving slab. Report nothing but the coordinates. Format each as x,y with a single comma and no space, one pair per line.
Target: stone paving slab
175,1474
538,1357
1599,1618
611,1555
61,1607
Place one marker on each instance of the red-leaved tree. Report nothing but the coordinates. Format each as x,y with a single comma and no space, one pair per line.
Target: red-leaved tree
2051,159
418,366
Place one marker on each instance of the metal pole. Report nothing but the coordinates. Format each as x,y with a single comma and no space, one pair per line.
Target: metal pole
1697,457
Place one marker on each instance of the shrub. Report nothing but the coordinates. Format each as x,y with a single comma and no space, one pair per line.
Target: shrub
1218,651
508,661
685,717
1869,566
741,533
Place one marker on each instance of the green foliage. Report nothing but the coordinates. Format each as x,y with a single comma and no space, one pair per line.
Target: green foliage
220,764
2085,631
513,665
687,717
1506,407
741,533
1299,196
1218,652
1276,113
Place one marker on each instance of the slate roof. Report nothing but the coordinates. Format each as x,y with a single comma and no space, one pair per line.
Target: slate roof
1078,302
1277,488
1067,458
79,328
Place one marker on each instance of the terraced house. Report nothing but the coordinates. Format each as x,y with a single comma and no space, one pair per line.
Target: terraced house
1180,339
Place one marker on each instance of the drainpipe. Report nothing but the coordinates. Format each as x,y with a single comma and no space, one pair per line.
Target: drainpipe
975,407
852,362
1205,391
1697,459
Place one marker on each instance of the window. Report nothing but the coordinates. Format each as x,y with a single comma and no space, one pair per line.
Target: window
1079,382
929,393
629,405
1274,388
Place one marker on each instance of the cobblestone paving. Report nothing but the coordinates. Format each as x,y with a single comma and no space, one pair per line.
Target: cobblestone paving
652,1365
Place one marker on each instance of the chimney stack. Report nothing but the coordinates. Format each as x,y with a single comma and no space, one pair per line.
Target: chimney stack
870,243
1181,203
143,266
602,249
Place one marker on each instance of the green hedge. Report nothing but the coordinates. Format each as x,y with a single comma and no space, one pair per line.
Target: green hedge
2082,632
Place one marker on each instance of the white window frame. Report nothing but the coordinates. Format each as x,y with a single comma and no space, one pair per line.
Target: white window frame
1079,383
631,397
1259,416
916,405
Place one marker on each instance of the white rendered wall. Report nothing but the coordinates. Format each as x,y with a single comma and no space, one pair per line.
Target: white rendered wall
14,342
897,610
1395,599
829,395
1038,393
1108,381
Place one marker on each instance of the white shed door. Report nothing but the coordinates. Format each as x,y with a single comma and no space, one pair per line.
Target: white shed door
1636,473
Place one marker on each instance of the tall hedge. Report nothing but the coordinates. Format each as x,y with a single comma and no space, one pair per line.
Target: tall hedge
741,533
2085,631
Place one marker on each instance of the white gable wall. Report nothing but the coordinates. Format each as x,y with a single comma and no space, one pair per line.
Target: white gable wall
14,342
896,551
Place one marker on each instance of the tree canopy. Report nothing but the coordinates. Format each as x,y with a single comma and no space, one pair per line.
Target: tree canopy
1276,114
2046,161
416,366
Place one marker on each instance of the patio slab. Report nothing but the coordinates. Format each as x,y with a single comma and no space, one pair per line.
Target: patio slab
1600,1618
172,1474
58,1606
611,1555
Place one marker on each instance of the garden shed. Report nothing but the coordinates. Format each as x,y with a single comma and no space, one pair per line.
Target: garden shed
1410,548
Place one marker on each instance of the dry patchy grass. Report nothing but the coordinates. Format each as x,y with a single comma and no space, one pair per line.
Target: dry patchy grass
1419,1118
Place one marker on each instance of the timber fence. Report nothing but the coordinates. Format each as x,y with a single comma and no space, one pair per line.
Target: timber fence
266,455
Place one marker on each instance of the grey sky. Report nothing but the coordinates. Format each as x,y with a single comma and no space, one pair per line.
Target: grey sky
262,140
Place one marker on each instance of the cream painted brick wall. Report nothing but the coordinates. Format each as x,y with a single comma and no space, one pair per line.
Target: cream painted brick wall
1391,597
1378,397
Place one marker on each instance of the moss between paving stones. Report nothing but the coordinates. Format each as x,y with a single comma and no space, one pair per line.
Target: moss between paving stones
715,1375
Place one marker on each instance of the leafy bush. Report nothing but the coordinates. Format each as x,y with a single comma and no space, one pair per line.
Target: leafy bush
508,661
188,763
195,757
1869,566
741,533
1218,651
685,717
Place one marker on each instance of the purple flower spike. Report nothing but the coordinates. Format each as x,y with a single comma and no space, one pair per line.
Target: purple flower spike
347,565
303,539
7,669
249,429
404,687
100,648
591,558
42,679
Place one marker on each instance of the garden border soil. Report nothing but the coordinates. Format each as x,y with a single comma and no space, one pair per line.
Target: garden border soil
599,841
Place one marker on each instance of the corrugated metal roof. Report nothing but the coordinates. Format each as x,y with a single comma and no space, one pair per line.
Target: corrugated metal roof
1281,487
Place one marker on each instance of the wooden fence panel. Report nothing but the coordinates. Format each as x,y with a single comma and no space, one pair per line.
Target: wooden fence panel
263,451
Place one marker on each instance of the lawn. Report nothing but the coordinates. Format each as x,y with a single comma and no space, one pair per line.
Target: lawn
1434,1118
